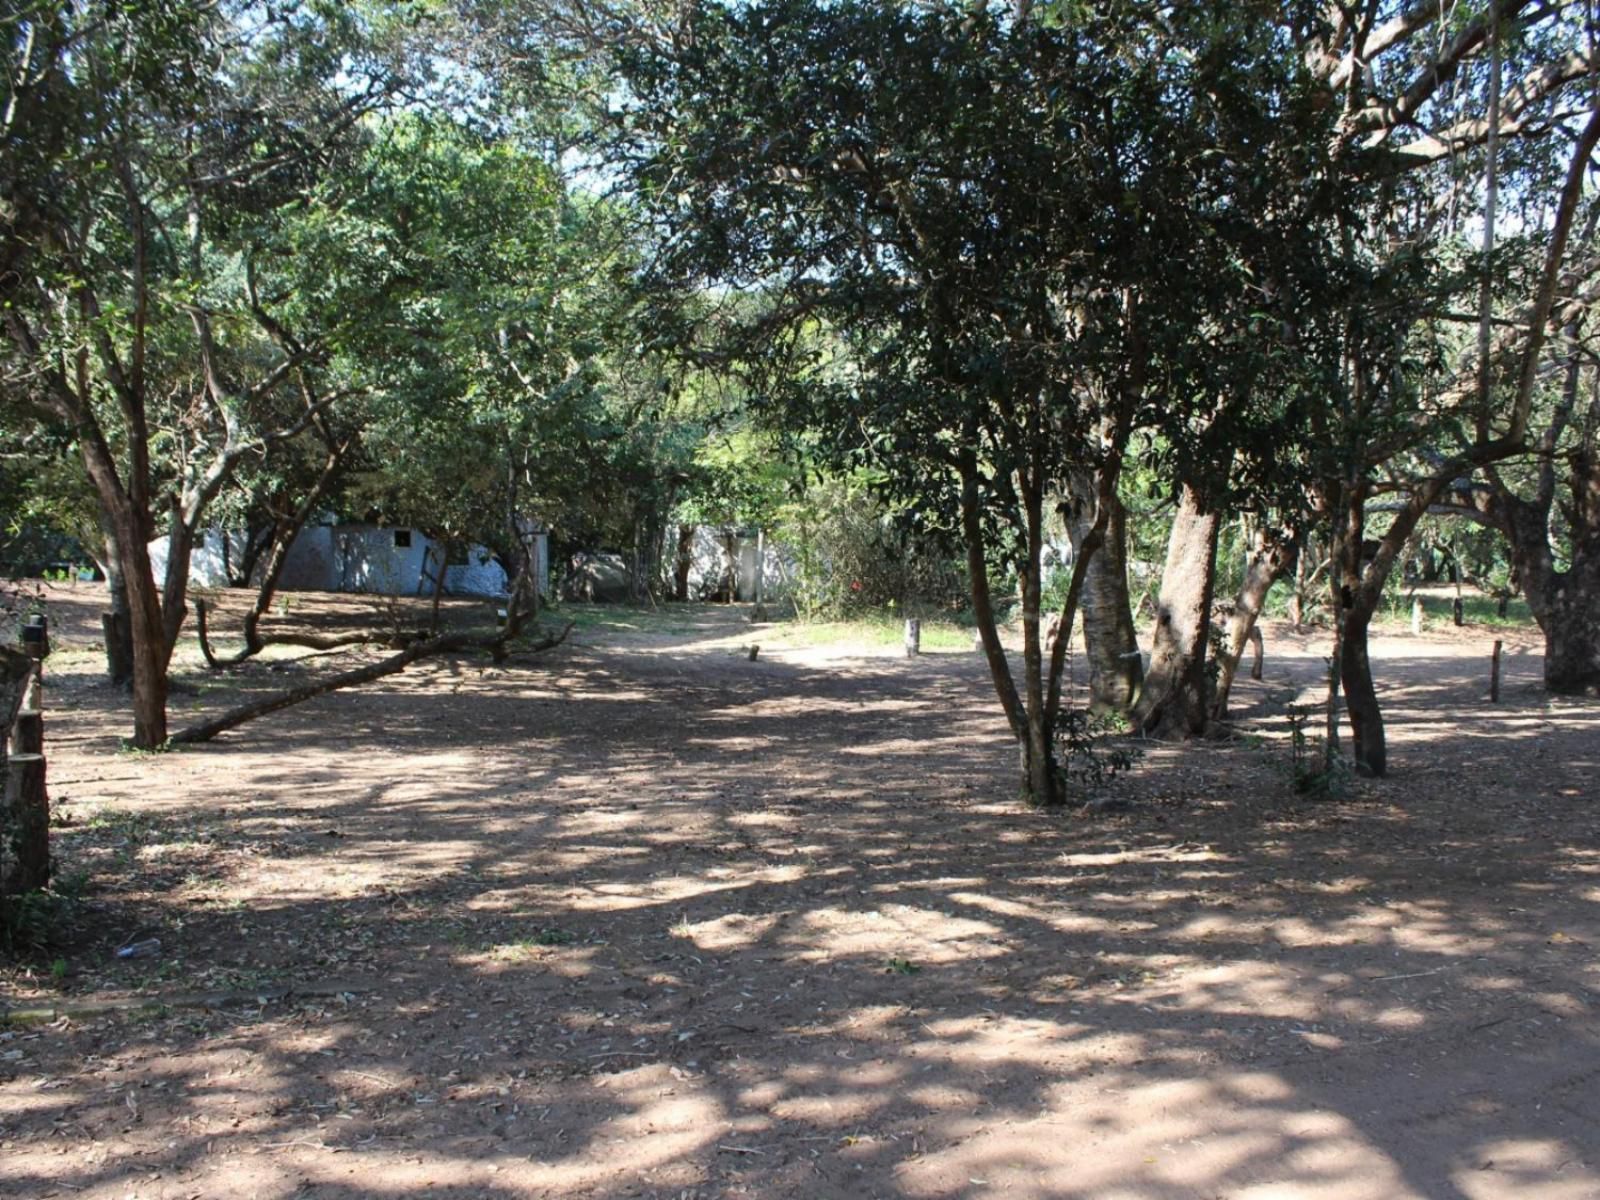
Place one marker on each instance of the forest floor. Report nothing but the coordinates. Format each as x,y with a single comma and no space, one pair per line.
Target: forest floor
642,918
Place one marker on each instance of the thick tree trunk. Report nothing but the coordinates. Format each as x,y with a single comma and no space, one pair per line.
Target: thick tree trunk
1274,553
1566,603
1173,703
117,627
1111,643
1572,633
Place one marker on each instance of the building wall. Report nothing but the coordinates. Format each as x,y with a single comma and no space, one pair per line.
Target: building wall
309,565
360,558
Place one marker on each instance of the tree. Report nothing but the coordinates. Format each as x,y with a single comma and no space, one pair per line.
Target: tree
1441,108
148,147
1016,227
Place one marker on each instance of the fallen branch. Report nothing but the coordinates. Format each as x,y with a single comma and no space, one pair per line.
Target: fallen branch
392,665
307,641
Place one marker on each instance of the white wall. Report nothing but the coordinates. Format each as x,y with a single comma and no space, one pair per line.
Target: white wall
309,565
357,558
205,560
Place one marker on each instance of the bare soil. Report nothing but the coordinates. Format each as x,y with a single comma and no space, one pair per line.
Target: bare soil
642,918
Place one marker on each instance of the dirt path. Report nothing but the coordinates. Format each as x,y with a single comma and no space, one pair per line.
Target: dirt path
647,919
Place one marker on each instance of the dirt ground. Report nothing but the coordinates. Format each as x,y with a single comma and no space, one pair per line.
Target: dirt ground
642,918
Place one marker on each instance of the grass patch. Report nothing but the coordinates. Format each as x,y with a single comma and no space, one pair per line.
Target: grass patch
1438,611
879,629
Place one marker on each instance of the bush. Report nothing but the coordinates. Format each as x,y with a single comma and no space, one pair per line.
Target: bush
850,556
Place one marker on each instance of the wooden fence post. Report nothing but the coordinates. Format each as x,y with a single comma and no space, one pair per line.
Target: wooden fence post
913,637
25,804
1494,674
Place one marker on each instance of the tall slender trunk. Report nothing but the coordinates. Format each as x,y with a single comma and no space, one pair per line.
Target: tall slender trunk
1039,759
1275,551
1354,603
442,548
150,653
1111,643
683,563
116,623
1173,703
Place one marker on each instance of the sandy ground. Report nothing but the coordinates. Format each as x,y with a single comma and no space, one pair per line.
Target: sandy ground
642,918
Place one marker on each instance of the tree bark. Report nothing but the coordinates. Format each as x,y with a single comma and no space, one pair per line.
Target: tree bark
280,541
1274,553
1111,643
1173,703
1565,603
683,563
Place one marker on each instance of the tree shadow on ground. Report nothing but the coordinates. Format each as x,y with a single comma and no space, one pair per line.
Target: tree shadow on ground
626,925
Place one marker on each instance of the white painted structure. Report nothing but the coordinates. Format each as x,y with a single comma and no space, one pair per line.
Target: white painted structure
709,559
360,557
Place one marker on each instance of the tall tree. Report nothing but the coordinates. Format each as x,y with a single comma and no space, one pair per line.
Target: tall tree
1017,226
147,147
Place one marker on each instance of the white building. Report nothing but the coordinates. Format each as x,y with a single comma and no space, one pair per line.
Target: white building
361,557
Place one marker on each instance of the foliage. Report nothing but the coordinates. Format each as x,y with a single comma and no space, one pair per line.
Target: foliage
1092,750
851,556
1314,771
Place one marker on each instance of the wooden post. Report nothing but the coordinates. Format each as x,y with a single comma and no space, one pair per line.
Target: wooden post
1457,612
25,805
25,860
1494,674
1416,615
761,564
913,637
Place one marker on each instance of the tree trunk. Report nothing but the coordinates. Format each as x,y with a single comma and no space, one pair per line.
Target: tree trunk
1111,644
1353,604
443,550
116,624
149,649
256,543
279,540
1274,553
1565,603
683,563
1173,703
392,665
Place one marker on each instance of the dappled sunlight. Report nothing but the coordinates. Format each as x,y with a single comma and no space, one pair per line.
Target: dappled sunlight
646,923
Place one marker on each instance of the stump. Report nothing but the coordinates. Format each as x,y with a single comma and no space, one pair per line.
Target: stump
913,637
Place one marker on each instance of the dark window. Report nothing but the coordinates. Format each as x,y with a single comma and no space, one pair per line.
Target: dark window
402,539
